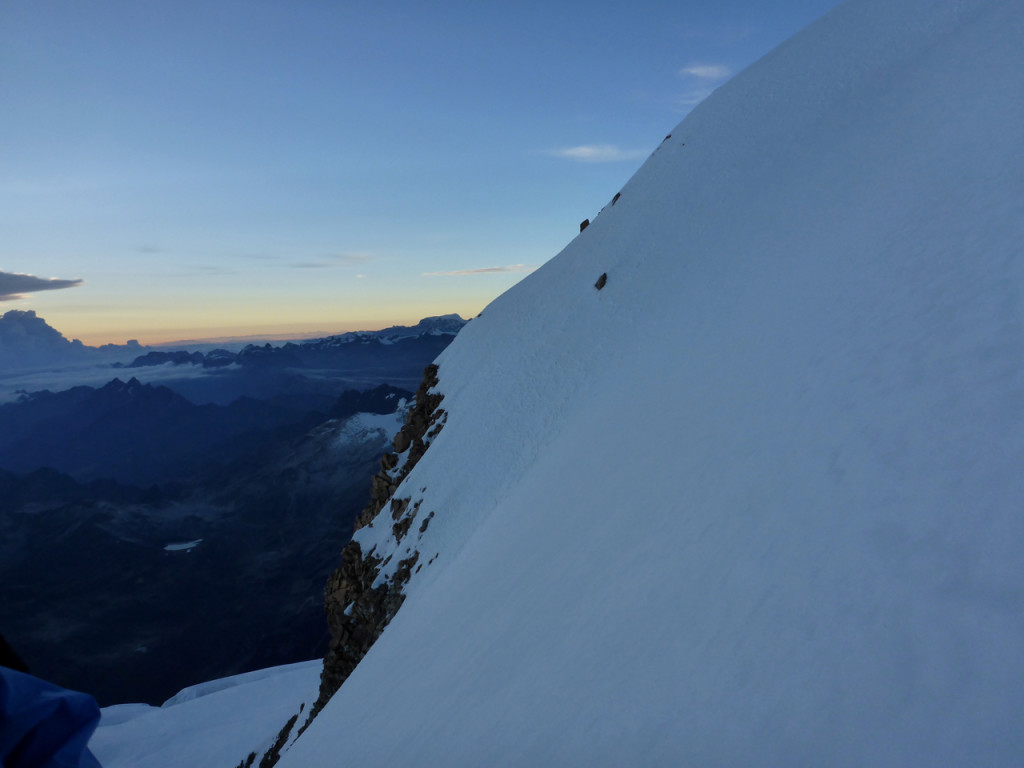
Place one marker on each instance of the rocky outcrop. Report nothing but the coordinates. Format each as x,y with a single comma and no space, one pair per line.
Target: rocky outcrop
274,753
358,603
422,424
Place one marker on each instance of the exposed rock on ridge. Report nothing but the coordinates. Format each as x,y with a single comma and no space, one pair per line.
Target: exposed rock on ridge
357,610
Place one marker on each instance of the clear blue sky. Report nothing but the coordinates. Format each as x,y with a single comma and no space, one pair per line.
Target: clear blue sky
224,168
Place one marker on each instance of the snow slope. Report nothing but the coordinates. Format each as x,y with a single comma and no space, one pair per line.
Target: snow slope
212,724
757,501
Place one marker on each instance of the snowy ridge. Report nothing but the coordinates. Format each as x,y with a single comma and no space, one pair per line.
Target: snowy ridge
757,501
218,723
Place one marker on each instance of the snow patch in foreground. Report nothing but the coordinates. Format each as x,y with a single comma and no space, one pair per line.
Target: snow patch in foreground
217,723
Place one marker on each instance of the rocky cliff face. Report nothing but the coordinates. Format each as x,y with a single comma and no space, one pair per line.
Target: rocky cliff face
358,601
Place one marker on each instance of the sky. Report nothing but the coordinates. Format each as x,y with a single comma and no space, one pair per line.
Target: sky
189,170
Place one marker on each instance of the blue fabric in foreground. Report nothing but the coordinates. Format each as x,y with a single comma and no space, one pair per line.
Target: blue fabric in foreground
43,725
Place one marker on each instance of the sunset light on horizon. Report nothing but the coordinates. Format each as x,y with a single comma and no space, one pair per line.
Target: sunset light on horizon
193,170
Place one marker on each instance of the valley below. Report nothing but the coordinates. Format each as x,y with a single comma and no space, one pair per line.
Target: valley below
148,543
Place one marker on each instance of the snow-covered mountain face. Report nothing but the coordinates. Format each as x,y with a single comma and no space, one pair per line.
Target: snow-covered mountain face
756,501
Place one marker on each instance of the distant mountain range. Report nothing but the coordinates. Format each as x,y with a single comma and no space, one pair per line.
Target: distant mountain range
154,535
27,341
346,351
36,357
140,433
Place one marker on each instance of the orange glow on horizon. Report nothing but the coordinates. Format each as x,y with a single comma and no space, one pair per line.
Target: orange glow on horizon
256,331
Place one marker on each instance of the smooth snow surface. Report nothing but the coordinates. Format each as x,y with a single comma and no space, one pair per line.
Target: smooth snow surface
759,500
215,724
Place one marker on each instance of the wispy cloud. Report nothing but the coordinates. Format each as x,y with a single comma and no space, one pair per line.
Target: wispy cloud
701,79
211,269
706,71
598,153
13,285
689,99
340,259
484,270
350,257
